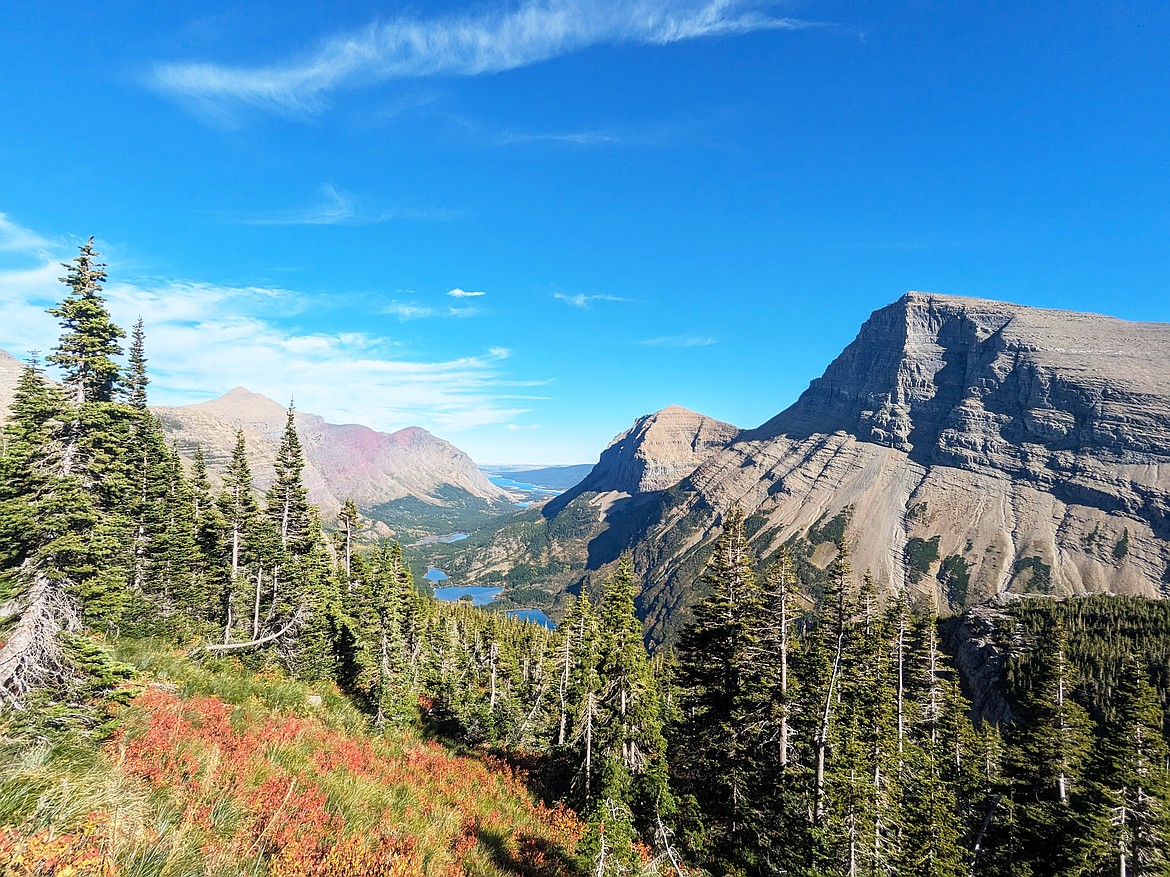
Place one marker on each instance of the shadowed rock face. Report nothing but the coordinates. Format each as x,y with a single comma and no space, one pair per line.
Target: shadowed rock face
972,383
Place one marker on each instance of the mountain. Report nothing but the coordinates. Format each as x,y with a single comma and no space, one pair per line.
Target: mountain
965,448
409,479
541,553
9,373
386,474
659,450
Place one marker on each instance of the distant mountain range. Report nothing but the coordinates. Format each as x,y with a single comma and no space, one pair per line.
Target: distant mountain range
392,476
411,480
962,447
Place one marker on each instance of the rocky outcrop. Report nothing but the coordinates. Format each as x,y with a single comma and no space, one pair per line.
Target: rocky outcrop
657,452
979,642
342,461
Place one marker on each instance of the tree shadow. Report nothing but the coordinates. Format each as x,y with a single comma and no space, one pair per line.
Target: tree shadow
532,857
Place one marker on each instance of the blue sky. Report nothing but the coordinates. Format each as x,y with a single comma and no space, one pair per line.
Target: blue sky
521,225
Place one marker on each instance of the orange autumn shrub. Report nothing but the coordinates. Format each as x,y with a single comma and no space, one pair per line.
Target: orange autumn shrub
311,801
43,854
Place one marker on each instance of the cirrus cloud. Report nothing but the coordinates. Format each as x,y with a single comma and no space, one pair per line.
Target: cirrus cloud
204,338
469,44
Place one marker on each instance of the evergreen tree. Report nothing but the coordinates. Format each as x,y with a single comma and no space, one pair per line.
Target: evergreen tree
714,674
1048,751
631,747
239,510
1132,781
89,344
287,501
137,379
349,520
212,567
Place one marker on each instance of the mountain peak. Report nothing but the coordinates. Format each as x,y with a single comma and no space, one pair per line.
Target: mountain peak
657,452
675,411
929,363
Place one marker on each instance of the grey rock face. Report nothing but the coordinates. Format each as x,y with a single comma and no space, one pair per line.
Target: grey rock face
657,452
1035,444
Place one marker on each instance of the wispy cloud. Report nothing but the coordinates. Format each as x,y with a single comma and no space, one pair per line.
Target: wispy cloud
681,341
572,138
17,238
405,311
581,300
457,45
203,338
338,208
464,293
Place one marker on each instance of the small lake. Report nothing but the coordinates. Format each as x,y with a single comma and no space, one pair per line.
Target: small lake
535,616
523,486
481,595
435,575
442,540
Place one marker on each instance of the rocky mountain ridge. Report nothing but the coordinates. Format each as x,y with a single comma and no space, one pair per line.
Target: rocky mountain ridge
657,452
964,447
342,461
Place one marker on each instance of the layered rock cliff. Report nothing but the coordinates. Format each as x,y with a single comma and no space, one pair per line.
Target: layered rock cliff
657,452
965,448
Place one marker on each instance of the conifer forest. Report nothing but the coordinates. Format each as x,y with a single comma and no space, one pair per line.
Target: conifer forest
164,635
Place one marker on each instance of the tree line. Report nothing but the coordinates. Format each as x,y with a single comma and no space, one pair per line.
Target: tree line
781,735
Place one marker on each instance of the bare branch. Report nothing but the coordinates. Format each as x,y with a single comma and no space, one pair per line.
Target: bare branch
297,618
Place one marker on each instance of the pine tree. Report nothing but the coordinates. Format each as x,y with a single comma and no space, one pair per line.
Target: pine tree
349,520
89,344
714,674
779,778
631,747
1132,781
238,507
287,501
212,572
137,379
575,658
1048,750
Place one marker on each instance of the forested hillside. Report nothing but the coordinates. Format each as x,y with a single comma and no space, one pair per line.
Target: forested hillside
199,682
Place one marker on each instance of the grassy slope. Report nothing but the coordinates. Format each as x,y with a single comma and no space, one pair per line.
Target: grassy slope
211,770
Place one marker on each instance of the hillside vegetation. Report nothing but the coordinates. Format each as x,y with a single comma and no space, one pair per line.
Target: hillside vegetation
214,769
803,726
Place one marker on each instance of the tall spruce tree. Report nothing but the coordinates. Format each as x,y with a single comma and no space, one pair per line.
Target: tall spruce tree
715,654
137,380
1131,779
630,743
239,510
89,343
1049,749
